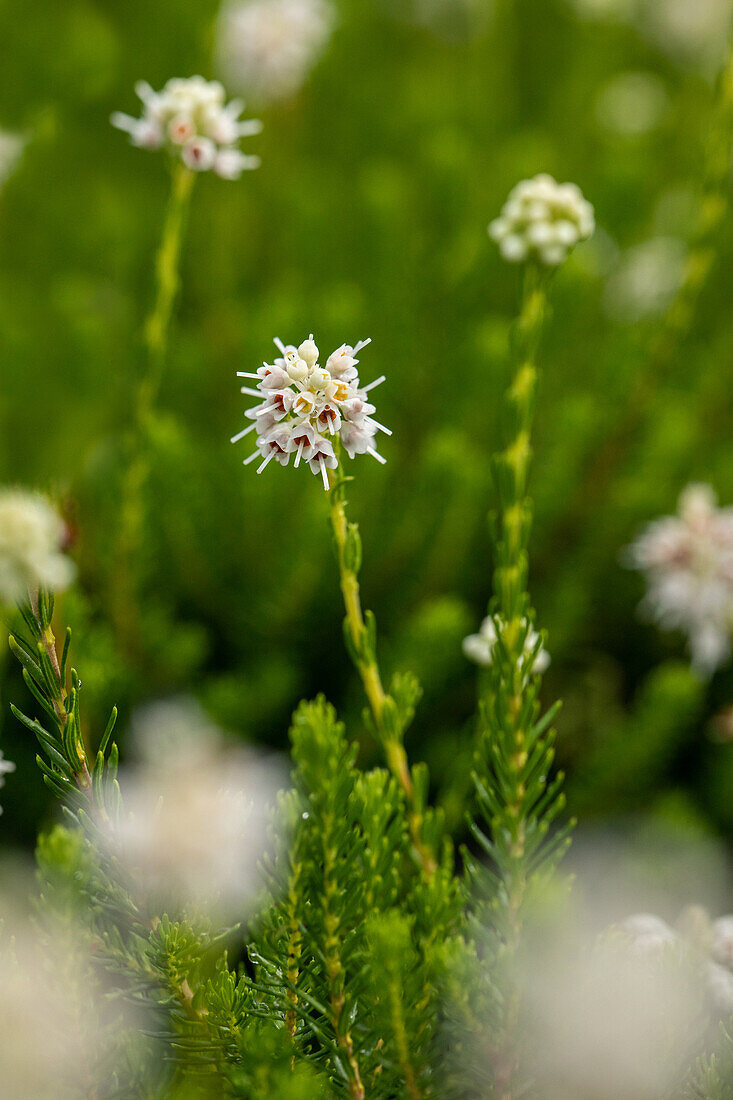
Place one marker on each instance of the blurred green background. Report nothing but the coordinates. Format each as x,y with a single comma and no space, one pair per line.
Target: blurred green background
368,218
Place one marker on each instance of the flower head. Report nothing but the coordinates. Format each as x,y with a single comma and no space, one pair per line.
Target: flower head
32,535
5,768
191,119
687,561
479,648
305,409
197,812
267,48
543,220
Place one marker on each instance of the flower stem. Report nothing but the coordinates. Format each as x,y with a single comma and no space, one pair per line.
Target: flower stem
156,333
359,632
511,470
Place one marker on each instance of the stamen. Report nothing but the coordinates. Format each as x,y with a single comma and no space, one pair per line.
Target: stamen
374,384
241,435
387,431
269,458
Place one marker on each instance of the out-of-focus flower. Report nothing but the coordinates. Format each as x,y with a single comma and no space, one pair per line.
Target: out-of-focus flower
707,947
689,31
542,220
479,648
32,535
646,279
687,560
197,811
450,19
306,408
695,31
267,48
191,119
5,768
54,1016
11,150
632,103
605,1022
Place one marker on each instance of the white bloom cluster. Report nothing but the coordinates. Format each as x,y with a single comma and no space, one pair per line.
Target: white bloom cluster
306,407
479,648
687,560
267,48
711,942
191,119
197,813
31,540
542,219
5,768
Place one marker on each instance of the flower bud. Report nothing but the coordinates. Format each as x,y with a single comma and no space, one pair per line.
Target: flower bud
308,351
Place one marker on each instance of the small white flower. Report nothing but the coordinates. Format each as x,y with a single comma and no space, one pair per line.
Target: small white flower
649,934
723,941
479,648
32,535
305,408
191,119
5,768
687,561
544,220
11,150
267,48
646,279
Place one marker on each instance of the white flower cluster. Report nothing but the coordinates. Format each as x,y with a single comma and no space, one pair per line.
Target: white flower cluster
191,119
712,943
197,813
479,648
687,560
267,48
544,220
305,408
32,535
5,768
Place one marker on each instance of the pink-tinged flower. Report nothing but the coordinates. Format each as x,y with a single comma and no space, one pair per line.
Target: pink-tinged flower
687,560
315,408
192,121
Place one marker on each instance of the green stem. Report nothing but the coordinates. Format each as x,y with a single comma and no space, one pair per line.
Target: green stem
156,334
513,718
362,651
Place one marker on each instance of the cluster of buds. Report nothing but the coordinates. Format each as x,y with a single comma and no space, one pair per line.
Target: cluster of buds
687,560
480,647
305,409
542,220
267,48
32,538
192,120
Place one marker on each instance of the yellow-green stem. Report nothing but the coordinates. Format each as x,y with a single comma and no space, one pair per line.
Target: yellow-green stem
156,332
368,670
